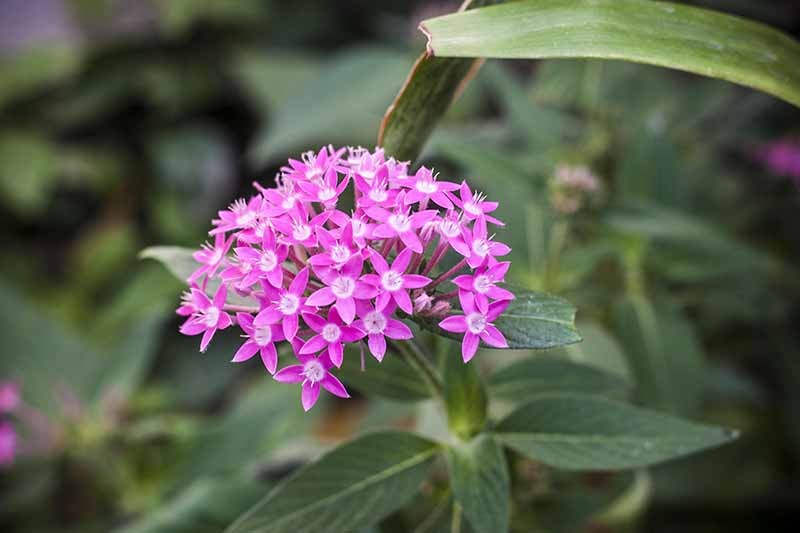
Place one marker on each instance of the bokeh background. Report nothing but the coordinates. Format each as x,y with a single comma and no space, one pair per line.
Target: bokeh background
128,123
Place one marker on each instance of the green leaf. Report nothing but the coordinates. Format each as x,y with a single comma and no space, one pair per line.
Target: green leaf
527,378
206,506
335,108
585,432
532,320
480,482
464,396
658,33
351,487
392,378
427,93
664,353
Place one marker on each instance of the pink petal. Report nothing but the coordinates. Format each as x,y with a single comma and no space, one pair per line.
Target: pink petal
313,345
493,337
192,327
207,336
379,214
440,199
469,346
245,321
364,291
352,268
267,316
397,330
346,308
309,395
321,297
402,260
377,345
315,322
334,386
378,262
351,334
336,353
464,282
454,324
298,285
458,244
403,301
411,240
224,321
269,356
496,309
383,300
414,281
290,326
467,301
245,352
275,276
498,293
200,300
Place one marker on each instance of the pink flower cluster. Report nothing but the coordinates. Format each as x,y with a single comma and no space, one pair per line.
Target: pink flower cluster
290,264
9,401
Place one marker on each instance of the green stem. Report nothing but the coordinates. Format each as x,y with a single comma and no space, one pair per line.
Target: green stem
419,362
455,525
558,238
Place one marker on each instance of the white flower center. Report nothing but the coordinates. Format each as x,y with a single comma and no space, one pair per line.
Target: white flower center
331,332
268,261
340,253
245,218
482,283
450,228
427,186
476,323
480,247
211,317
400,223
288,202
326,193
288,304
378,194
359,228
301,232
343,287
472,208
262,335
375,322
313,371
392,280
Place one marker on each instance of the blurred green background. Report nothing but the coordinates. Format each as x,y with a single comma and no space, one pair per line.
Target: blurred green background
127,123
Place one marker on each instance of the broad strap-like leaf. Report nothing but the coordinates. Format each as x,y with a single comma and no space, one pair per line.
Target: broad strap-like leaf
427,93
658,33
532,320
480,482
529,377
351,487
585,432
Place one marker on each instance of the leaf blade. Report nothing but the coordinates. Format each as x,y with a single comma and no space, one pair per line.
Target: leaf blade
657,33
585,432
351,487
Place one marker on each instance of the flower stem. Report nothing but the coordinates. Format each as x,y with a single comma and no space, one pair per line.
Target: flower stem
419,362
447,274
455,524
240,308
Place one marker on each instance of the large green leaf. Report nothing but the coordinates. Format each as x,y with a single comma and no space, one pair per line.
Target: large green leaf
659,33
585,432
524,379
532,320
431,86
480,482
352,487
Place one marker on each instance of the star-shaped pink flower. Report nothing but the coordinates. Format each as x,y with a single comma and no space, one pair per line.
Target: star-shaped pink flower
313,373
483,286
259,339
392,282
343,287
331,334
209,316
378,325
475,325
286,305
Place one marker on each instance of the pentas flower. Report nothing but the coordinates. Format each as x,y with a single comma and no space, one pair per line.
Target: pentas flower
378,325
476,325
9,397
331,334
392,283
8,443
343,287
303,271
260,339
313,373
483,284
208,317
285,305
